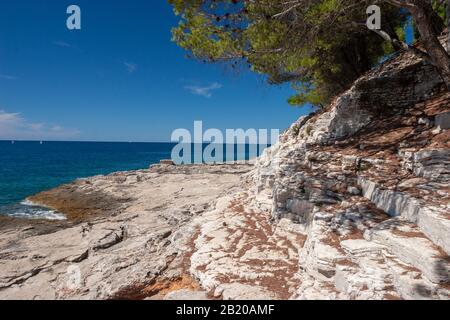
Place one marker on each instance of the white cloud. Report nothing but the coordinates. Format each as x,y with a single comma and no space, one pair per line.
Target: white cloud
8,77
8,117
14,127
204,91
62,44
130,66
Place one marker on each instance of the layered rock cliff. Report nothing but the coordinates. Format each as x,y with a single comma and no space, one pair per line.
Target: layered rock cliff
367,179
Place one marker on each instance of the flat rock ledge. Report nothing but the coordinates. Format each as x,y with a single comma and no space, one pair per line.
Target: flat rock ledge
129,235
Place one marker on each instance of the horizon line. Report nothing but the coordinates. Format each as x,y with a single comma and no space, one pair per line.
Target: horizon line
87,141
94,141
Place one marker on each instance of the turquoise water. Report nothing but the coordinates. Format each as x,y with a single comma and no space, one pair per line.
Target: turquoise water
29,167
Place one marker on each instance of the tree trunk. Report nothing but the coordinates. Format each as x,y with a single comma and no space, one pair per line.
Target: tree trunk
447,13
422,13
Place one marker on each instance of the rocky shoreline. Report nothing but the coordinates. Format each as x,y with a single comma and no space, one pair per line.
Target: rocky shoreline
117,234
352,203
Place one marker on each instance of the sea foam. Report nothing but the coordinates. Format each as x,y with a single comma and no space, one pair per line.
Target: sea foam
30,210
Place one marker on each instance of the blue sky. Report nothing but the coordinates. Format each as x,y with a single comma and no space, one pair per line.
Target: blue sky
120,78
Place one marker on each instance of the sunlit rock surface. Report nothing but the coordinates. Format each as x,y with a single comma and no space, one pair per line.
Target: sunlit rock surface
352,203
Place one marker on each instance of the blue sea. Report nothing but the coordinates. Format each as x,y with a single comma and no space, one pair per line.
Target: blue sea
29,167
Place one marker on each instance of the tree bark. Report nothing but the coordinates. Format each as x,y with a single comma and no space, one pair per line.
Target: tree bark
447,13
427,23
422,14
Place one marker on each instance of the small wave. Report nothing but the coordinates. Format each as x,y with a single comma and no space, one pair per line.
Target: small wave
28,203
29,210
